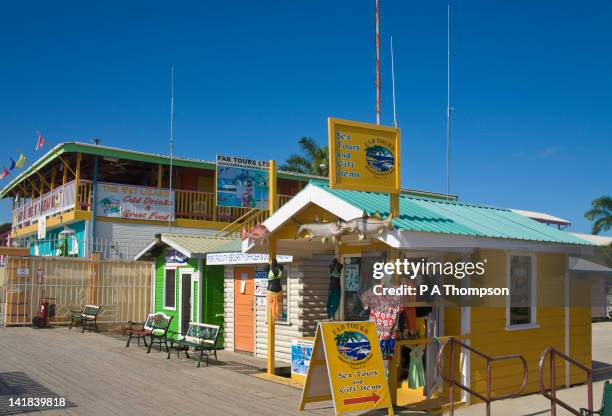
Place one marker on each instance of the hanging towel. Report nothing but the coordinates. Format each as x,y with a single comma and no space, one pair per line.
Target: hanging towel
275,302
416,374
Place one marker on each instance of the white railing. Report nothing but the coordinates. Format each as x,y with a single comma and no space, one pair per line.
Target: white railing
53,202
73,246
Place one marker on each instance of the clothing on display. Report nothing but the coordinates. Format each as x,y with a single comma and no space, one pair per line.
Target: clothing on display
275,303
383,311
274,272
334,292
416,373
274,295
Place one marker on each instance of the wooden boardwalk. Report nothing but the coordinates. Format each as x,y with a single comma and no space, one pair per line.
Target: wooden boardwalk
102,377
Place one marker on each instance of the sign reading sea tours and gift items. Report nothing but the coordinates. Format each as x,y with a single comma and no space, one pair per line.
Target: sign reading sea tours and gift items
363,156
134,202
347,367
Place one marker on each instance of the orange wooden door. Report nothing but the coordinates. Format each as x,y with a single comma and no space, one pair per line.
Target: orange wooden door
244,320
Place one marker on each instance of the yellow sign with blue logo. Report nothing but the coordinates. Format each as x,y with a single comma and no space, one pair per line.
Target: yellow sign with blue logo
347,367
363,156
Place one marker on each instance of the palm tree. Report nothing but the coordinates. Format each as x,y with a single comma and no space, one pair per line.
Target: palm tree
313,159
601,213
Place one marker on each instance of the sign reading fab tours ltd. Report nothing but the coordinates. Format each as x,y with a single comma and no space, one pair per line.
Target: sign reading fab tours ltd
134,202
363,156
242,182
347,365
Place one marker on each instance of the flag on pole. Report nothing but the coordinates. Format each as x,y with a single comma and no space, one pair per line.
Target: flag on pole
21,161
40,141
12,164
4,172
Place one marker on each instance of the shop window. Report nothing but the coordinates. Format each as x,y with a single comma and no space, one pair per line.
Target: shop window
170,289
521,307
357,278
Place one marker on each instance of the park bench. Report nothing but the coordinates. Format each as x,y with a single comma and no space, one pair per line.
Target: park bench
155,327
200,337
86,317
606,403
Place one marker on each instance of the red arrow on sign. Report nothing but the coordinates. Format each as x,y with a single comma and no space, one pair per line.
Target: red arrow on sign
374,398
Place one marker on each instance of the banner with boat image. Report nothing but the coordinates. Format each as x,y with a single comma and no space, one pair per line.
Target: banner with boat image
347,367
242,182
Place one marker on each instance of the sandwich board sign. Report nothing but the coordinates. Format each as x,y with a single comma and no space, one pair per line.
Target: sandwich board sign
347,367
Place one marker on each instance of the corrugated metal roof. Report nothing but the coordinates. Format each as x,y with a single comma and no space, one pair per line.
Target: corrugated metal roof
452,217
194,246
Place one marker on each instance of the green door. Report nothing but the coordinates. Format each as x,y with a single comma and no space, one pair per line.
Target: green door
213,298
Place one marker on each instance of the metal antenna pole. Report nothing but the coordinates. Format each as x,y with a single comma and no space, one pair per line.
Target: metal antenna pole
395,123
171,140
449,108
377,65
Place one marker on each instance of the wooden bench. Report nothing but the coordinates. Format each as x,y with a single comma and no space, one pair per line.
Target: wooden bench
86,317
155,327
202,337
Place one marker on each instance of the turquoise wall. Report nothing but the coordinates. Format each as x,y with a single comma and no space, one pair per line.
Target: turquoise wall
49,245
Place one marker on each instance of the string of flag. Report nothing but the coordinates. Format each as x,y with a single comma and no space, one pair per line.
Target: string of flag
21,160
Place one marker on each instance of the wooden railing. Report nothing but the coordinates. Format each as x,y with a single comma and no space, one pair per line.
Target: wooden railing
193,205
85,196
283,199
247,221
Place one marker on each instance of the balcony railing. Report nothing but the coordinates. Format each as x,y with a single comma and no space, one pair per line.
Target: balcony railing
193,205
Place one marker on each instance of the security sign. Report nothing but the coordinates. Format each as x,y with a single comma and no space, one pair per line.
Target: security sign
347,367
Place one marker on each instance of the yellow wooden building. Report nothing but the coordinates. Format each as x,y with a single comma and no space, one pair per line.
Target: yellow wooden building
545,306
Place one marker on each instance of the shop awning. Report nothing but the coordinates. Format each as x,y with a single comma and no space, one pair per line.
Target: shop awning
429,222
192,246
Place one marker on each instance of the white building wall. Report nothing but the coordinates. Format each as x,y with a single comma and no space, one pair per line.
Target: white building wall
308,284
128,239
229,307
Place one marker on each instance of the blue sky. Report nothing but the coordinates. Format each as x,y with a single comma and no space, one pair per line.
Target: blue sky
532,85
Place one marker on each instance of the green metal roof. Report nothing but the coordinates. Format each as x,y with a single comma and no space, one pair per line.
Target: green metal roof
453,217
99,150
194,246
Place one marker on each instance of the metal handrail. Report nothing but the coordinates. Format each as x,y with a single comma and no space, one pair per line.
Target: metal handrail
552,396
485,398
242,219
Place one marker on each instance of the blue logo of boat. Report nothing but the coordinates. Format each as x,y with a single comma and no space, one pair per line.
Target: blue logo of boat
353,345
380,159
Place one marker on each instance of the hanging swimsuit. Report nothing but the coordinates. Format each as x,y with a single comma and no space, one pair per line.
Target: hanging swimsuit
333,295
274,295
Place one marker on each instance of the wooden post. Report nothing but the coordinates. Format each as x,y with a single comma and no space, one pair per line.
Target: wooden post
272,206
160,171
273,189
395,204
77,178
64,175
52,184
271,321
94,279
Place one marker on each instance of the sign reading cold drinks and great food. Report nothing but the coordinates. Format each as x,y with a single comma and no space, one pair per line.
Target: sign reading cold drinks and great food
363,156
134,202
